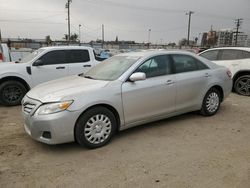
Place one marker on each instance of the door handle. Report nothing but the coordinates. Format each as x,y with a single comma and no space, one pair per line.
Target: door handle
86,65
60,67
235,64
207,75
169,82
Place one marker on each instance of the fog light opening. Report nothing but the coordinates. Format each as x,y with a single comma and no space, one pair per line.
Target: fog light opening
46,134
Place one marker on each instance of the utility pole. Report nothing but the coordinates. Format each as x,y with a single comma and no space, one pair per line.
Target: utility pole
189,22
238,23
149,31
79,33
67,6
102,36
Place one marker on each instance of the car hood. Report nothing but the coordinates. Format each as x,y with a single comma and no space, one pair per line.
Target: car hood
65,88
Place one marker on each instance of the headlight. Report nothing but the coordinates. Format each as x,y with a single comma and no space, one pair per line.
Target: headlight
53,107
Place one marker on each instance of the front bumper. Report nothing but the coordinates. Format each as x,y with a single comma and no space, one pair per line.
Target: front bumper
59,126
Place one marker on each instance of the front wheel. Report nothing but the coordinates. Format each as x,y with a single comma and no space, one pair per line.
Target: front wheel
12,93
211,102
95,127
242,85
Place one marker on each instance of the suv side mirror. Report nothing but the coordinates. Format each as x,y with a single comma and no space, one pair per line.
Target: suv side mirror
137,76
38,62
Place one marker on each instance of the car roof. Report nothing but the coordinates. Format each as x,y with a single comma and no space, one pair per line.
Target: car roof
146,53
229,48
66,48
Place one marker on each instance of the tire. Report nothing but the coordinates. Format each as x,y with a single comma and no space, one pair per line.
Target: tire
12,93
211,102
89,129
242,85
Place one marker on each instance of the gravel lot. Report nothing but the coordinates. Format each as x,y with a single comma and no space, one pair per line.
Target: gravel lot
185,151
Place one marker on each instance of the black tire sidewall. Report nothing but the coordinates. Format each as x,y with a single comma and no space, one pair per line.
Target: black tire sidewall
12,83
236,82
204,110
80,126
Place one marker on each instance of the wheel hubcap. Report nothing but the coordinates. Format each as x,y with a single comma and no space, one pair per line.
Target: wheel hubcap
12,93
212,102
97,129
243,86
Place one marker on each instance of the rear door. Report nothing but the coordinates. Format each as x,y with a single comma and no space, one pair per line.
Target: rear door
192,78
79,61
54,66
233,59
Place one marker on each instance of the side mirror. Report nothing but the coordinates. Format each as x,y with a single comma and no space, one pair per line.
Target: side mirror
38,62
137,76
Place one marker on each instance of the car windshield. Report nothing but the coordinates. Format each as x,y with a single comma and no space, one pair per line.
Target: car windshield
31,56
112,68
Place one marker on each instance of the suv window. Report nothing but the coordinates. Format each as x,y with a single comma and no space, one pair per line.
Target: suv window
186,63
79,56
246,54
156,66
210,55
230,54
54,57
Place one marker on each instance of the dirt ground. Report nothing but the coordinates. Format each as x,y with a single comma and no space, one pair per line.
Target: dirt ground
185,151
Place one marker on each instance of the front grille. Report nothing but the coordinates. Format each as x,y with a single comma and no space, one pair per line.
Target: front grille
28,107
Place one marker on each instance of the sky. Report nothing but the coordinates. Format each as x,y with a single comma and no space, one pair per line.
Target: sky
127,19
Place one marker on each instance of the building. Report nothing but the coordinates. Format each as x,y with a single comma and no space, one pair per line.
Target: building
225,37
241,39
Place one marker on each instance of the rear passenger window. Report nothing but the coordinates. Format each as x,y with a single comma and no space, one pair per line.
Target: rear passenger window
246,55
79,56
230,54
210,55
186,63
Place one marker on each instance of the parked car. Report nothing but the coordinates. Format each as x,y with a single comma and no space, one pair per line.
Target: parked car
4,53
237,59
42,65
124,91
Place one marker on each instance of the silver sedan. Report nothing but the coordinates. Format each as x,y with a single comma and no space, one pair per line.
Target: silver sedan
124,91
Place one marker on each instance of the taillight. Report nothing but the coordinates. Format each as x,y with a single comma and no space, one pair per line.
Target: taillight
229,73
1,57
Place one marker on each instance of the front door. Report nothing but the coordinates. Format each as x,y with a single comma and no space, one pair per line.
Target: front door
54,65
152,97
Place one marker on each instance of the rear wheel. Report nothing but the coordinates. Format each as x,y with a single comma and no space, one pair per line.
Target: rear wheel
95,127
211,102
242,85
12,93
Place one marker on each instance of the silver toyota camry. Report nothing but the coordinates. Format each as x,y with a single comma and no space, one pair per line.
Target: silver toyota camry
124,91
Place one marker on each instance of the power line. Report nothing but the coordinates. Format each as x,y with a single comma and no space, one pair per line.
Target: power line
30,10
27,22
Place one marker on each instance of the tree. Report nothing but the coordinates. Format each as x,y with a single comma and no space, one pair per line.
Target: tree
48,40
73,37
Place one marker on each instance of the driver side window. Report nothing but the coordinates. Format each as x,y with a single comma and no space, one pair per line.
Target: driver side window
54,57
156,66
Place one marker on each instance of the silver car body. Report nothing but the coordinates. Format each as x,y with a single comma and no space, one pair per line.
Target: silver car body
134,103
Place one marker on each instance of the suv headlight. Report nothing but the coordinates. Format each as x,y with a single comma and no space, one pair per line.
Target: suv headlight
52,108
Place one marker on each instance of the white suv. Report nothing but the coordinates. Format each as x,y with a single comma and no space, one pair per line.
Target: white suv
45,64
237,59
